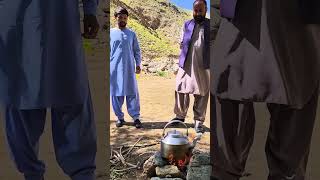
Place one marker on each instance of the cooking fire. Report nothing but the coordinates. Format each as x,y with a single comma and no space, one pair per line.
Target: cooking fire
181,164
174,156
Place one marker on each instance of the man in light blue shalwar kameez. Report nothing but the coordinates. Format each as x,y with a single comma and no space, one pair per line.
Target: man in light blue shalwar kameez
42,66
125,60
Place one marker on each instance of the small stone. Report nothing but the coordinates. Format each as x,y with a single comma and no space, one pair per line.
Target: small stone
152,70
168,170
200,160
145,64
157,178
163,66
152,64
149,167
175,67
159,69
202,172
144,70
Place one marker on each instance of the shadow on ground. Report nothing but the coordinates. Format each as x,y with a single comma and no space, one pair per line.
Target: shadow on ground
159,125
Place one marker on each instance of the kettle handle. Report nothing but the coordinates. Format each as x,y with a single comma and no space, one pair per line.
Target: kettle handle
174,121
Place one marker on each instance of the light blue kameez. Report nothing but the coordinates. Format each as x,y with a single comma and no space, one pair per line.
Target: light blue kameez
125,55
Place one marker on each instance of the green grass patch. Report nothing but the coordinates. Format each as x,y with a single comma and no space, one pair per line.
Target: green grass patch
151,45
162,73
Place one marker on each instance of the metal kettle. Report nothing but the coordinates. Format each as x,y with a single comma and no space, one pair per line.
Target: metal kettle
175,144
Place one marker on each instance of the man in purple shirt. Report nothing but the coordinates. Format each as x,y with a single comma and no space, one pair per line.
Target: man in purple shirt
193,74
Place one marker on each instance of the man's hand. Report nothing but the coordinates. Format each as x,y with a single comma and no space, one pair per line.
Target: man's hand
138,70
91,26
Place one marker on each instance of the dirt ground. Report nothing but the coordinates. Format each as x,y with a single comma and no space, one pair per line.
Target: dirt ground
157,102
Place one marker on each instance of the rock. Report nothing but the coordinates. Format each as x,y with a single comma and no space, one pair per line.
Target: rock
202,172
145,59
171,170
152,64
160,65
175,67
163,67
145,70
159,69
172,61
199,160
145,63
159,161
157,178
155,23
152,70
149,167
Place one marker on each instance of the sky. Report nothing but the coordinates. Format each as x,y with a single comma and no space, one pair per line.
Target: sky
187,4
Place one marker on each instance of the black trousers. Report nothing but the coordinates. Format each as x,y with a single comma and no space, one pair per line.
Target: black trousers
287,146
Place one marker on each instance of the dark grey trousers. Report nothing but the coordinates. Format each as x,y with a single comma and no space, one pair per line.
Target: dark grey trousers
287,146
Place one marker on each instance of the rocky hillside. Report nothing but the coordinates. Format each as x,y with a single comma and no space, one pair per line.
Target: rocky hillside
158,25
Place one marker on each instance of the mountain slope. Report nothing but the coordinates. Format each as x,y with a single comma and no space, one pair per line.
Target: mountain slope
157,23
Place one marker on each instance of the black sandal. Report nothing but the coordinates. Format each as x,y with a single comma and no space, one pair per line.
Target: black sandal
120,122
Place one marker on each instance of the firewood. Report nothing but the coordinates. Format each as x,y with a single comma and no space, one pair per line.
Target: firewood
133,146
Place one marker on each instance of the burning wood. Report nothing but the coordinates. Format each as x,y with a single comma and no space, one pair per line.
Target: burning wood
181,164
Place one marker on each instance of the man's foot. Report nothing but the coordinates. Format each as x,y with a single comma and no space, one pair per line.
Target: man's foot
177,119
120,122
137,124
198,127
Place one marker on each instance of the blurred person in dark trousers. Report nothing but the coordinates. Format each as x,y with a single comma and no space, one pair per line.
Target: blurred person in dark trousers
42,66
265,51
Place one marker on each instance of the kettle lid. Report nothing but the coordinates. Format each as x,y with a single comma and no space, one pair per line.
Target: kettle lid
175,137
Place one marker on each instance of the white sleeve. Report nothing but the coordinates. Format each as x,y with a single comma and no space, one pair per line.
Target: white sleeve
182,33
